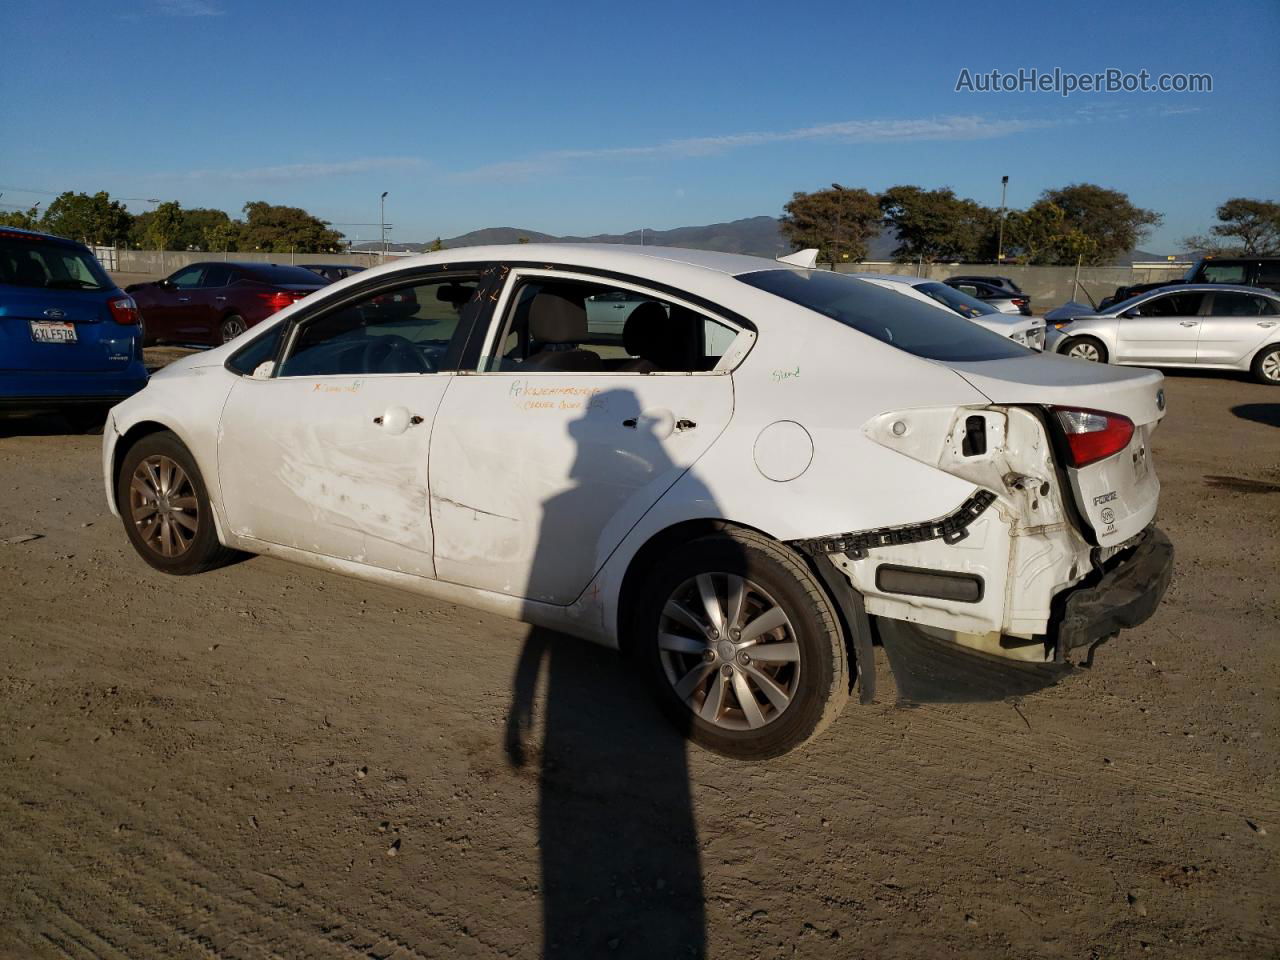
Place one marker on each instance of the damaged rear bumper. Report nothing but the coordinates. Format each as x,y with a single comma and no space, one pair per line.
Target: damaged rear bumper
1124,597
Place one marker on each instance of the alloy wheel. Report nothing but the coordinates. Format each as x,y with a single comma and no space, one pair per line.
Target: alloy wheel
1084,351
232,327
729,651
1271,366
163,506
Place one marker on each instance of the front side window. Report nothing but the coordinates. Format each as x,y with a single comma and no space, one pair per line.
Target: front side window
1170,305
416,328
558,325
889,317
45,263
188,278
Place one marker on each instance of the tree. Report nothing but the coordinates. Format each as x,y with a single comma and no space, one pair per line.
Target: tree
1041,235
838,222
281,229
436,245
93,219
937,225
1255,223
26,219
163,227
1111,223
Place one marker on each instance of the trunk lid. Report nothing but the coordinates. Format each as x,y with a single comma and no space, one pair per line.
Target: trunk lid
1117,496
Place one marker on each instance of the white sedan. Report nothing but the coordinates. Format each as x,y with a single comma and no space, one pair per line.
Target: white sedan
771,466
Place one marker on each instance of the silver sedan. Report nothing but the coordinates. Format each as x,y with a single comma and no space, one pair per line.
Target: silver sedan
1189,325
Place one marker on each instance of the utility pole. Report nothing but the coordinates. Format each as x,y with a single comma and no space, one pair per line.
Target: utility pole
1004,186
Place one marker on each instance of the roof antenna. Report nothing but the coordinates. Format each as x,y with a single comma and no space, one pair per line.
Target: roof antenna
802,258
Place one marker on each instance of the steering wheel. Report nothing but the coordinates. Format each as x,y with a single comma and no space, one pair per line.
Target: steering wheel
394,352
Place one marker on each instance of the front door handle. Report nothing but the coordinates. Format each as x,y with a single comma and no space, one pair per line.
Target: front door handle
631,422
685,425
184,299
1266,323
219,298
1188,323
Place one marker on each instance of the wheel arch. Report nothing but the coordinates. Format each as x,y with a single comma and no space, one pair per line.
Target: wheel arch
128,440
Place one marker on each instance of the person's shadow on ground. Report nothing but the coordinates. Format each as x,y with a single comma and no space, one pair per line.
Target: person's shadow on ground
621,872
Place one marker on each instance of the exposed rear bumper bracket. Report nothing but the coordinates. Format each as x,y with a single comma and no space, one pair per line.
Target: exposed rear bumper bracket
950,529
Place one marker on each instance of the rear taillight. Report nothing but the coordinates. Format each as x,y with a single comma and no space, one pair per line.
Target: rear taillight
1093,435
123,311
1020,301
280,299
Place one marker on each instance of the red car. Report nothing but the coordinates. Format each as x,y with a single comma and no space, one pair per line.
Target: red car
211,303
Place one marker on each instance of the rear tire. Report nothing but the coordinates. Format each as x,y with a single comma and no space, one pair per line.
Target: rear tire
1266,365
231,327
165,507
771,675
1085,348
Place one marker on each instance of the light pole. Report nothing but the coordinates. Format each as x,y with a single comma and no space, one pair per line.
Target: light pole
835,247
1004,186
382,223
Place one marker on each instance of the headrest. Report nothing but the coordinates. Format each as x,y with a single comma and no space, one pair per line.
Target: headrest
557,316
665,341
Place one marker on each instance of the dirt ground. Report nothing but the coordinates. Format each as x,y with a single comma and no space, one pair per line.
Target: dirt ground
271,761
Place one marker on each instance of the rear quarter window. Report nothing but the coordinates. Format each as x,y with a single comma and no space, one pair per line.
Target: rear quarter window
889,317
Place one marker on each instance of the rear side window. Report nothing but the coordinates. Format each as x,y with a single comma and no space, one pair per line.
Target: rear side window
48,264
889,317
282,275
1269,274
1241,305
1223,273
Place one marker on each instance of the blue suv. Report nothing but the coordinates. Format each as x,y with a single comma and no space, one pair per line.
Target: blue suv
69,337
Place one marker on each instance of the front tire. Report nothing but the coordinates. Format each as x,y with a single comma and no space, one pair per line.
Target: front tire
165,507
1085,348
1266,365
742,645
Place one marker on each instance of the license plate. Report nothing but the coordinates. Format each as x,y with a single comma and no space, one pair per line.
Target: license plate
52,331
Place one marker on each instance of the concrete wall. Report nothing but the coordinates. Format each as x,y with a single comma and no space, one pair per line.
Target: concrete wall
1048,287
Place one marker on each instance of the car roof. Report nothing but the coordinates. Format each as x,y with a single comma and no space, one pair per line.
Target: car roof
618,256
1206,287
36,234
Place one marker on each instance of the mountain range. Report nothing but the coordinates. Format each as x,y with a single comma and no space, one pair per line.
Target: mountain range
756,236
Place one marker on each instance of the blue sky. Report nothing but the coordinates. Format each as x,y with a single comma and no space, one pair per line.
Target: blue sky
593,117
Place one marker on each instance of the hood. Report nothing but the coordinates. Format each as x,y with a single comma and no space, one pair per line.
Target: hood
1069,311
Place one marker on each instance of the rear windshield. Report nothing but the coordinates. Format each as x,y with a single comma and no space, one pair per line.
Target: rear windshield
50,265
279,274
903,322
957,300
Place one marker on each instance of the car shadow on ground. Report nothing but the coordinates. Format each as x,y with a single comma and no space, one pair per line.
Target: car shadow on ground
1264,413
46,425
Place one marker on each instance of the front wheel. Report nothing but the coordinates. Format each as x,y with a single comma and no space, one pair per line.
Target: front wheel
1085,348
1266,365
165,507
743,646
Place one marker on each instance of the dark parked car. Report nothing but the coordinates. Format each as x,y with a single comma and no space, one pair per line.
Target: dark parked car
1240,271
1004,283
69,337
1003,299
211,303
333,272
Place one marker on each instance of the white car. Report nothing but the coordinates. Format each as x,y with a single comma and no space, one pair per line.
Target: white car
1204,325
1028,331
775,459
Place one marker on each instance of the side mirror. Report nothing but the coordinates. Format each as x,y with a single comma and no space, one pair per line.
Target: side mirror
263,370
164,284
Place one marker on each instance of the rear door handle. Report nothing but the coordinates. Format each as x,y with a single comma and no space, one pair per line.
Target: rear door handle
1266,323
1188,323
184,299
685,425
219,298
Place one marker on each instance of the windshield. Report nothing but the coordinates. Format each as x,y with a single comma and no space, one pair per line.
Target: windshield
963,304
903,322
47,264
